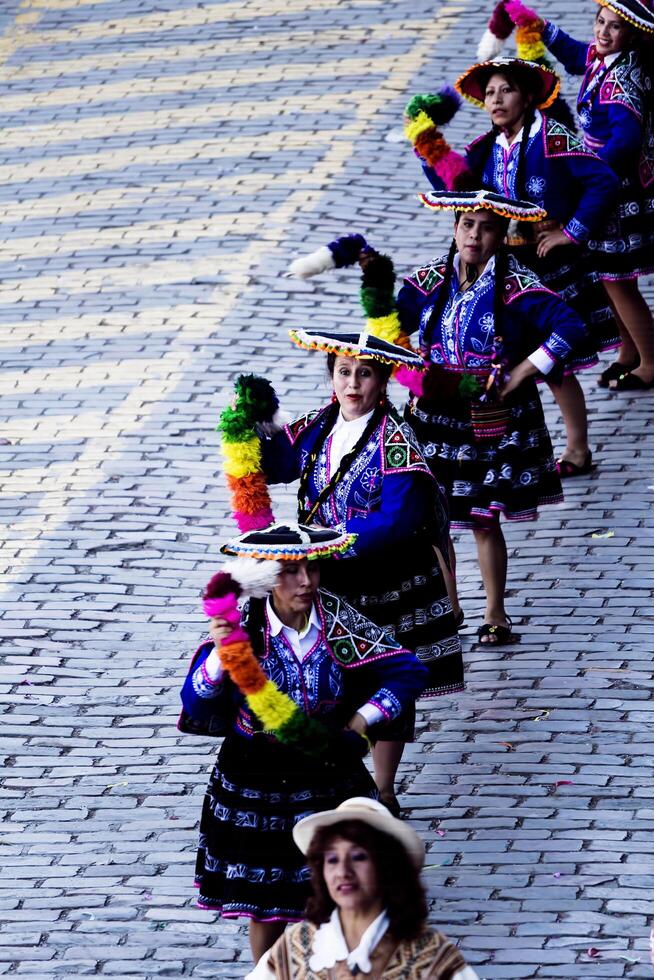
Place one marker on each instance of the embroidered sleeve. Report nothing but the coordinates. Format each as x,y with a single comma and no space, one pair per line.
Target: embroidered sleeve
622,149
386,703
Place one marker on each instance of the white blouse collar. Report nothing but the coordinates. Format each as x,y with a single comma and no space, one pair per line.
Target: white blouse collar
330,948
502,141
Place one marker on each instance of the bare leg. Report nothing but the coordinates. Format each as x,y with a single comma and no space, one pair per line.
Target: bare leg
263,935
491,552
449,577
636,317
386,758
569,397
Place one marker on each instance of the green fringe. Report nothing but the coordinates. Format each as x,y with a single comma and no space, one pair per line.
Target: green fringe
256,401
469,386
235,425
306,734
376,302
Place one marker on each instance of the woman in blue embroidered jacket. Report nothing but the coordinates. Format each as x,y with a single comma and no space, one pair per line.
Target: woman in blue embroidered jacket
550,168
361,471
615,112
487,326
342,670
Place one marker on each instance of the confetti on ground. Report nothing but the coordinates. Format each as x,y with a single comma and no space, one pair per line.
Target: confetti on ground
26,681
88,915
563,782
158,926
629,959
507,745
123,783
441,833
542,715
593,952
147,896
558,874
444,864
603,534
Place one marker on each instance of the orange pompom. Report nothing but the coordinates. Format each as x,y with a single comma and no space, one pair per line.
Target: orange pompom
431,146
239,661
249,493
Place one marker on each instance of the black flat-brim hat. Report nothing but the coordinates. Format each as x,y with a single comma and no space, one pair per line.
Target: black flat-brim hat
483,200
289,542
363,346
545,83
636,12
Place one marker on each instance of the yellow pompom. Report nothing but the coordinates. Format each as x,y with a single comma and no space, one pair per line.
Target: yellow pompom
271,707
414,127
242,458
385,327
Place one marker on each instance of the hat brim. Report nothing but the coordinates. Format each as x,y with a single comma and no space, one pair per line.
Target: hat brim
261,545
636,14
304,829
453,201
471,83
385,352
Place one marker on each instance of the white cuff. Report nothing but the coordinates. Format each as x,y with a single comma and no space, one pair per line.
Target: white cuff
213,666
541,360
371,713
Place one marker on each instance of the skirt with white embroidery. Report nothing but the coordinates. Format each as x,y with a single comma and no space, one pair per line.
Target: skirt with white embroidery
404,592
624,249
247,862
513,474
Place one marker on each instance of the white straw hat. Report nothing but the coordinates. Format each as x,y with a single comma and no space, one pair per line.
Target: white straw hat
369,812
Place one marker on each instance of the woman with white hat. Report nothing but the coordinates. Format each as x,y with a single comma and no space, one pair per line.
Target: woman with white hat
367,916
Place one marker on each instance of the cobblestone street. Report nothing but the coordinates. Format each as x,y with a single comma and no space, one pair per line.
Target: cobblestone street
161,163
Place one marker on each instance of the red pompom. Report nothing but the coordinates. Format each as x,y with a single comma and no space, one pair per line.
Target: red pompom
500,24
220,585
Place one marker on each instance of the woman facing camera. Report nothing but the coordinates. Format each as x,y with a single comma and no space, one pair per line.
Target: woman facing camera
367,916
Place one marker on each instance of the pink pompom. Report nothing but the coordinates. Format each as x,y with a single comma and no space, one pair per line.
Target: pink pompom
413,380
500,24
253,522
236,636
225,607
520,14
450,170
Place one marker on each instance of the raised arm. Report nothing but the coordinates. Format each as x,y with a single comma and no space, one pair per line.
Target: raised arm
572,54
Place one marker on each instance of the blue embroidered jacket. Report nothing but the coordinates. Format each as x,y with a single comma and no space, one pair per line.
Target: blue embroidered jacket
533,317
611,105
353,662
573,186
388,494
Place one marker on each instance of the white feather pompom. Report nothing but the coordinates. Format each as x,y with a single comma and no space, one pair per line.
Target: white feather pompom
312,265
255,576
489,47
276,424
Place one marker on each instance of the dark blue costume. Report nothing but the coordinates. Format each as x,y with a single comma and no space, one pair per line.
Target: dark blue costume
389,498
575,188
514,472
614,115
247,862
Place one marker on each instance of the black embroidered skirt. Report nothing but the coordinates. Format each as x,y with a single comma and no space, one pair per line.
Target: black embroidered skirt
624,249
404,591
247,862
569,271
513,474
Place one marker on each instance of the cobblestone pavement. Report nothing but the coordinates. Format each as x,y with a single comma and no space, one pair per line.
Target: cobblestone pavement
161,162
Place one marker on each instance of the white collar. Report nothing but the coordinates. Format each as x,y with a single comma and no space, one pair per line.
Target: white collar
609,59
490,268
329,946
502,141
354,424
276,625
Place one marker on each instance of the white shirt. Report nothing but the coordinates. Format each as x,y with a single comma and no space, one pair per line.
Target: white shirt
344,437
301,642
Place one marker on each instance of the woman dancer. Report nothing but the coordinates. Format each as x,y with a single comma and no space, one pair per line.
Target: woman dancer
367,916
530,156
293,681
361,471
615,113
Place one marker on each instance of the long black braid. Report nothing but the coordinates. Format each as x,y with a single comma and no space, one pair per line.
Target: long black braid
441,300
501,265
520,177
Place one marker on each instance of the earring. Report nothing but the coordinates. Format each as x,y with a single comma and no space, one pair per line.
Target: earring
334,398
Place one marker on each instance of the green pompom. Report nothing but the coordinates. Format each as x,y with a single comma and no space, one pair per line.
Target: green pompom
469,386
235,425
376,302
421,103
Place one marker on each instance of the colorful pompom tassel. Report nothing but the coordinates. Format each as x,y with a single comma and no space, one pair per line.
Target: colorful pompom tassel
423,115
255,404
